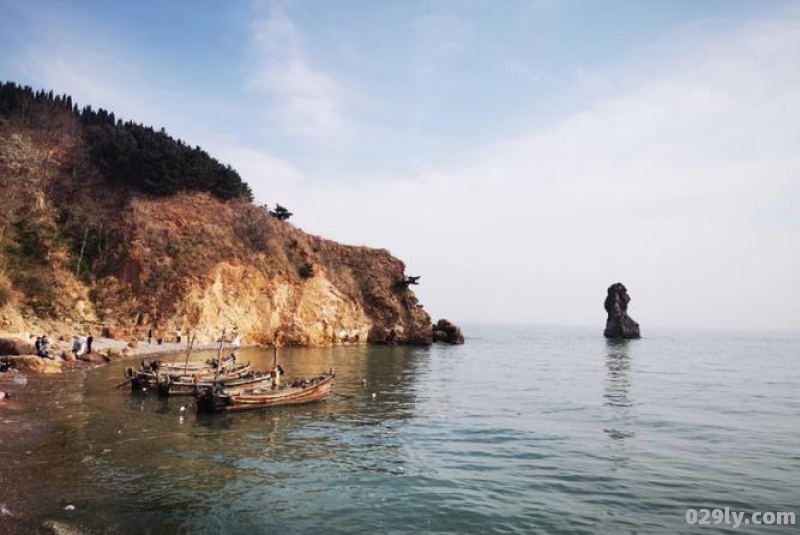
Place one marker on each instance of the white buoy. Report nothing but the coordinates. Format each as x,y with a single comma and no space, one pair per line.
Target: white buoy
69,508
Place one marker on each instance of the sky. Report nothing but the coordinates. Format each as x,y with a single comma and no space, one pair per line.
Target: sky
519,156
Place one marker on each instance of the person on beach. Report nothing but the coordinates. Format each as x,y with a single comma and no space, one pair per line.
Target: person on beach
76,346
44,347
89,340
275,373
178,336
38,346
149,336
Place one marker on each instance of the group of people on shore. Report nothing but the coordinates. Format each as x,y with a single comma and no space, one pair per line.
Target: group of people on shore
160,340
81,345
42,346
236,341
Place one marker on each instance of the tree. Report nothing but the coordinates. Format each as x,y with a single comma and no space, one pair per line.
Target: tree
281,213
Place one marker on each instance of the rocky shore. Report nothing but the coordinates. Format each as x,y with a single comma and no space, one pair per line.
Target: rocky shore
30,375
19,354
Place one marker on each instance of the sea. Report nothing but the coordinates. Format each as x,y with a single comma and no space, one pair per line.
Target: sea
521,430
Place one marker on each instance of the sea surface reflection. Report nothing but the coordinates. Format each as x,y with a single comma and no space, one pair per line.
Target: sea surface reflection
521,430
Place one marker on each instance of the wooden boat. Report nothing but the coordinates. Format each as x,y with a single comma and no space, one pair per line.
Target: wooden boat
298,392
142,379
189,387
188,367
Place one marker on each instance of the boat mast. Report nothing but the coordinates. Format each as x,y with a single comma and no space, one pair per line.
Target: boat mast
219,357
189,344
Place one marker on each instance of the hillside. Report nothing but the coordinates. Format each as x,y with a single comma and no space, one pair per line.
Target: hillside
117,226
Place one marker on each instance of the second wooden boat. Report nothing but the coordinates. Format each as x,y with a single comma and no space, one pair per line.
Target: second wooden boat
184,386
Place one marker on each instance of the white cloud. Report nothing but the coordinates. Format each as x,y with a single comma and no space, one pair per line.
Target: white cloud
309,104
92,72
665,185
272,179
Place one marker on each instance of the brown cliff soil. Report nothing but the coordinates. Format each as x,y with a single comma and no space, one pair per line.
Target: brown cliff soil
78,253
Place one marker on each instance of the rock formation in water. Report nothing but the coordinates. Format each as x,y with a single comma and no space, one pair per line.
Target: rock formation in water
619,324
447,332
118,228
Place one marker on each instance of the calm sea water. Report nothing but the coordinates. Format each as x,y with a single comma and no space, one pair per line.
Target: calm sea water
521,430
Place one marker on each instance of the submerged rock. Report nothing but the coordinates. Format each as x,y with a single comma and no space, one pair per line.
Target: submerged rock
60,528
447,332
94,358
619,324
32,363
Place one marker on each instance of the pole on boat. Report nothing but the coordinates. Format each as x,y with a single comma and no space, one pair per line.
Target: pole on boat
219,357
189,344
276,380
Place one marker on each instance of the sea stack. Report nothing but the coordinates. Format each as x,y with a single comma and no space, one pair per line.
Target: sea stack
619,324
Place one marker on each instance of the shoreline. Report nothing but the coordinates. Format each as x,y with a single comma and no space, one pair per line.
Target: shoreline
104,351
16,381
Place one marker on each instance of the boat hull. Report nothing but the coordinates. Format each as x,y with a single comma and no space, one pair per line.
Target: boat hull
316,390
141,380
238,385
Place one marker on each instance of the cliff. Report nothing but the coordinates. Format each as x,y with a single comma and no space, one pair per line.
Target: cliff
82,248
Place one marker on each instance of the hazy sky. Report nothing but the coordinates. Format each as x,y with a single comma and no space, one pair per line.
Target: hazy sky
520,156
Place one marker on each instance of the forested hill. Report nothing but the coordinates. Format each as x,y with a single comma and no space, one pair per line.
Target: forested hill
145,159
119,228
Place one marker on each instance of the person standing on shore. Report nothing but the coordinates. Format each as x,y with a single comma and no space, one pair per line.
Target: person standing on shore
76,346
44,347
178,336
149,336
89,340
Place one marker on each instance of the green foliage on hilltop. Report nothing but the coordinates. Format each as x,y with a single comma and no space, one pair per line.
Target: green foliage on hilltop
138,156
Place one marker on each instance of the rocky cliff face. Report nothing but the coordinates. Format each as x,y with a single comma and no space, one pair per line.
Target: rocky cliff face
78,250
619,324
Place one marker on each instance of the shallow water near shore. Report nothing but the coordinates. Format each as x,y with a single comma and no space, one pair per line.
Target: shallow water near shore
521,430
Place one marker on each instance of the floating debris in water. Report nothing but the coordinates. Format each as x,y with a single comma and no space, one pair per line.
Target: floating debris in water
70,507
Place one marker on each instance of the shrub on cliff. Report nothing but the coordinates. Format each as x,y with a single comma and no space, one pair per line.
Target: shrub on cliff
281,213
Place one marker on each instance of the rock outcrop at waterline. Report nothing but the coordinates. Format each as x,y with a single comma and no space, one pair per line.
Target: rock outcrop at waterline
447,332
619,324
